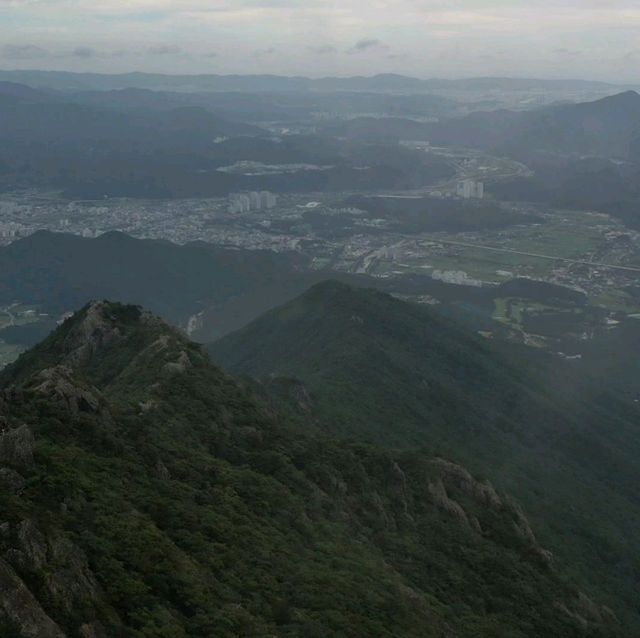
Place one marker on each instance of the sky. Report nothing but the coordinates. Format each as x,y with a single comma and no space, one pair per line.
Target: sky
590,39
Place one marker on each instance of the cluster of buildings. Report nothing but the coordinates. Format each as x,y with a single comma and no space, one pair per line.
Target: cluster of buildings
470,189
11,230
247,202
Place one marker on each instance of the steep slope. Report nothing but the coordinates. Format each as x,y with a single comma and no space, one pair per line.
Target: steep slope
147,494
362,364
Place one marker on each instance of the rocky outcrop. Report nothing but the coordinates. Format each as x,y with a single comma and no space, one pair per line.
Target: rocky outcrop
452,477
58,384
16,447
67,581
438,493
21,608
586,613
457,476
70,583
181,364
93,333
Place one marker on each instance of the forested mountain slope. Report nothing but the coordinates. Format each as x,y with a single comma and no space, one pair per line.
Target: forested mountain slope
145,493
362,364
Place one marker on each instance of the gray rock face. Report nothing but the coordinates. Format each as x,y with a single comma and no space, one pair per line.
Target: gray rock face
91,335
70,582
440,497
454,477
33,546
20,606
181,364
66,582
16,447
459,477
58,384
68,579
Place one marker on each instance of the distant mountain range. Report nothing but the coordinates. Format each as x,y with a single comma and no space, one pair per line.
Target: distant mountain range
101,145
67,81
148,144
606,127
146,493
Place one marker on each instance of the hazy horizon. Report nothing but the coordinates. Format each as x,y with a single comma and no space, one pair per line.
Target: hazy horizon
320,76
588,39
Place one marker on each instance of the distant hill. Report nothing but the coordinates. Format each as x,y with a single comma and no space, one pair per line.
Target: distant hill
609,127
42,118
133,144
606,127
60,272
146,493
389,82
50,142
229,287
294,107
12,92
359,363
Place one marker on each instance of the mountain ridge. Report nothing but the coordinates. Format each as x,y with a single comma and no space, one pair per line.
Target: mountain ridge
151,495
386,81
360,364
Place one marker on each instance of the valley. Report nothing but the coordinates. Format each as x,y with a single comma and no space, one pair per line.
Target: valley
393,238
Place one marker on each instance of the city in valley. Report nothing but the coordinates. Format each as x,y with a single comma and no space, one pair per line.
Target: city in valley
451,231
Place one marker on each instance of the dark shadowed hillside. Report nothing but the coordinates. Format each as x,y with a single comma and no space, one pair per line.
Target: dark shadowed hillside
61,272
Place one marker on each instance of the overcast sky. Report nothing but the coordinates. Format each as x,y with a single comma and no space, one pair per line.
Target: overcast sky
597,39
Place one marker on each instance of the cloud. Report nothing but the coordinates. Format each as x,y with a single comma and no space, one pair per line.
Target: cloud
258,53
164,49
83,52
23,52
210,54
323,49
566,52
551,38
368,44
